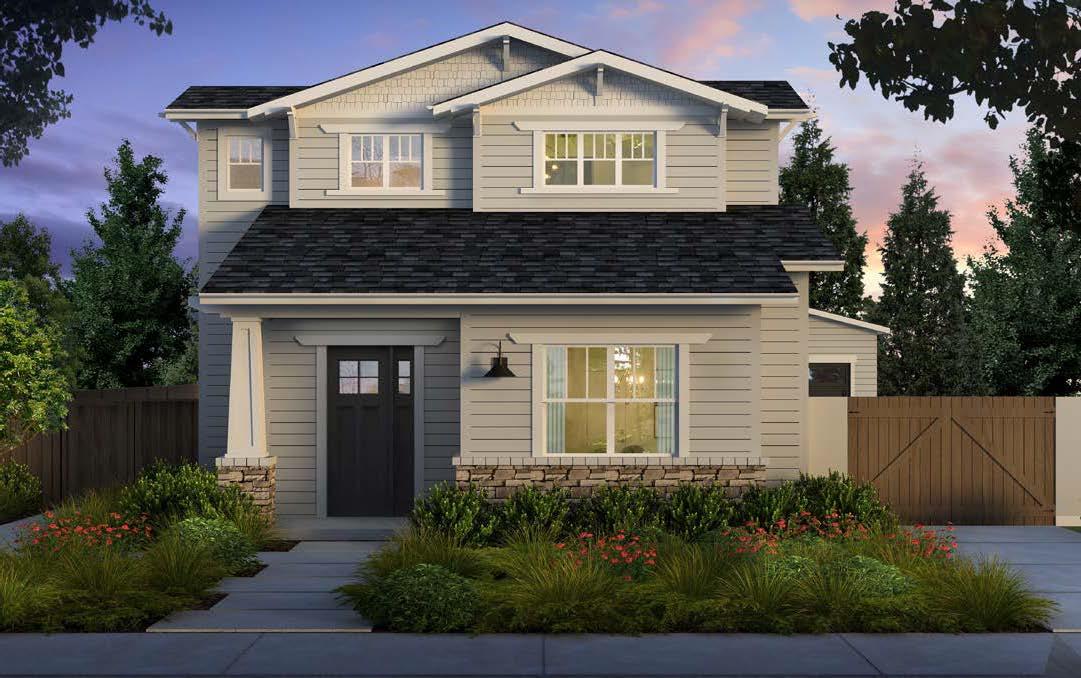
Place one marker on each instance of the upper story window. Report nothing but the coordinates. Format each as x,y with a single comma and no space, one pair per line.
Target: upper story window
599,159
244,171
381,161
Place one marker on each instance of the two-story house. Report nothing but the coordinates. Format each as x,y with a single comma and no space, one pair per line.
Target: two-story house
505,259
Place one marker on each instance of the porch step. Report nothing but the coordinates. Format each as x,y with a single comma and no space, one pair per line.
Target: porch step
339,529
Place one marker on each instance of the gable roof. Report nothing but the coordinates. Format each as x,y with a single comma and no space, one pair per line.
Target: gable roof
591,61
458,251
414,59
845,320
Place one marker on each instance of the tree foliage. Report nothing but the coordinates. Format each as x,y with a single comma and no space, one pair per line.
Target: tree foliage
33,388
922,299
25,255
130,293
1025,309
813,178
32,38
1005,53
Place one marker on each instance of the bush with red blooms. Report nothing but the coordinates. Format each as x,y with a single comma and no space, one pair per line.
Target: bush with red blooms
116,531
624,553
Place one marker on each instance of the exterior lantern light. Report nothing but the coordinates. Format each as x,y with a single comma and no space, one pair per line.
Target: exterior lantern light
499,366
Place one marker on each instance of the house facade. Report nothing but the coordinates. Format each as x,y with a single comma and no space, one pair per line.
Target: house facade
505,259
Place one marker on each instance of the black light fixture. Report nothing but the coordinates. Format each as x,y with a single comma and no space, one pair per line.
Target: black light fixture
499,366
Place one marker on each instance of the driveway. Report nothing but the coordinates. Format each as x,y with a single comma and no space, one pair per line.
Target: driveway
1049,557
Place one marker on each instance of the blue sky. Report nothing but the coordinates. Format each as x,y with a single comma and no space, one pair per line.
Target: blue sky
129,75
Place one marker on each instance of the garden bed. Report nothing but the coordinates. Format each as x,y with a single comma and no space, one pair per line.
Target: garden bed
816,556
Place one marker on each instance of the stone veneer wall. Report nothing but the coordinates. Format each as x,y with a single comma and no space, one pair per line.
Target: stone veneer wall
501,477
254,475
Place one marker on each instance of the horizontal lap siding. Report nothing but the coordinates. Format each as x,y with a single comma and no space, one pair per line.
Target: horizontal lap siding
221,224
784,385
828,337
751,163
498,412
291,406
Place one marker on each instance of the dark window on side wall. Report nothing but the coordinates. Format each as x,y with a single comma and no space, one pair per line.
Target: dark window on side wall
830,380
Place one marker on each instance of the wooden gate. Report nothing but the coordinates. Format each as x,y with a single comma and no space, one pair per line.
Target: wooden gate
972,461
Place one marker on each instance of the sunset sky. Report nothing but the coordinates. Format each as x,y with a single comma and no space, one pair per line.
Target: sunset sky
129,75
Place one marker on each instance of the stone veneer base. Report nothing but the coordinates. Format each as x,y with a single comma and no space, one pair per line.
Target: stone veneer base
500,478
256,477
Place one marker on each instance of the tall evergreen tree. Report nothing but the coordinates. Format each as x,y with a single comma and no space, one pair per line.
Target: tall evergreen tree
922,299
813,178
1025,309
129,293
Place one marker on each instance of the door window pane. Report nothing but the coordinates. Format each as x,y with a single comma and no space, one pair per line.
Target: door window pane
348,382
369,377
404,379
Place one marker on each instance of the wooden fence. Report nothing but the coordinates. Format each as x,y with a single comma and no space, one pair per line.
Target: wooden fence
966,460
111,435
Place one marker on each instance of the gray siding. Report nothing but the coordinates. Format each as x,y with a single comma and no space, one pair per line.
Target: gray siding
497,413
291,405
784,385
829,337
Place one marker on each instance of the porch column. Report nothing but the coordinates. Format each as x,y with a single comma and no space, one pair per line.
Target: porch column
247,461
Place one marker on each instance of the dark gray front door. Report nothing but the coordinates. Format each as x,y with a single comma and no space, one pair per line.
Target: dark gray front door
370,431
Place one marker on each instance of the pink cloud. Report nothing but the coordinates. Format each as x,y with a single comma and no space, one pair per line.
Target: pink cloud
809,10
635,9
714,33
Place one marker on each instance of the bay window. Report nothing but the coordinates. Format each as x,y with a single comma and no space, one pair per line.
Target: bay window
609,400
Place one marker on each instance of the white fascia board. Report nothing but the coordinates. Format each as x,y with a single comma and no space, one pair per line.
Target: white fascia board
622,336
798,114
802,266
415,59
591,61
845,320
210,299
204,114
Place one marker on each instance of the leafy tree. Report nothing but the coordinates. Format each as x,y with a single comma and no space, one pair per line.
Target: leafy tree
1025,309
922,298
1005,53
33,389
183,368
25,255
130,293
813,178
32,38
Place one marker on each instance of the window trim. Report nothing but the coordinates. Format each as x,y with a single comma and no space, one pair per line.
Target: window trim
347,132
660,166
834,358
260,194
681,444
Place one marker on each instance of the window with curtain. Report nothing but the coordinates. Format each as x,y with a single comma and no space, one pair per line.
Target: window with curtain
610,399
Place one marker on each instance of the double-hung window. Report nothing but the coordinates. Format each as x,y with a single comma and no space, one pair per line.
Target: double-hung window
610,400
243,167
381,161
600,159
245,162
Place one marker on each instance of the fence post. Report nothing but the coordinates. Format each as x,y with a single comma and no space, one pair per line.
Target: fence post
1068,461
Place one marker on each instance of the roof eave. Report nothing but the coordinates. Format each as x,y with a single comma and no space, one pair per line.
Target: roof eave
204,114
230,299
845,320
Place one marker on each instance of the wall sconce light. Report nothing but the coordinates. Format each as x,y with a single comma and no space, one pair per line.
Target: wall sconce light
499,366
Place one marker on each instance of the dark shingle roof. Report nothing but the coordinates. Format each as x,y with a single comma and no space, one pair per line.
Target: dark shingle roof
460,251
773,93
231,96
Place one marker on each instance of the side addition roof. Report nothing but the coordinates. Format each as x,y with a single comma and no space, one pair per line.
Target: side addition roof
777,94
845,320
423,251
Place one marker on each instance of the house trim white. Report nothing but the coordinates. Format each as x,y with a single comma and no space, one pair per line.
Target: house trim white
845,320
803,266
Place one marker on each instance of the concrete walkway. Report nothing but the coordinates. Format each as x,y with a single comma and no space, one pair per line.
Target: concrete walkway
9,532
1049,557
333,654
294,594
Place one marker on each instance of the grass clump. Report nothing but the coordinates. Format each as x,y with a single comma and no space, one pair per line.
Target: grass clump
985,596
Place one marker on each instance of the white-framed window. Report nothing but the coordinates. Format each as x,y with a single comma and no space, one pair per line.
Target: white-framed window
600,159
615,399
386,161
244,163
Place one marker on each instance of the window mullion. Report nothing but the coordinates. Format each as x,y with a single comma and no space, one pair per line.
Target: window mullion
610,407
581,160
619,159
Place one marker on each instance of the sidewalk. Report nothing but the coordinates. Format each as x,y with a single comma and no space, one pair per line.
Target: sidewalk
351,654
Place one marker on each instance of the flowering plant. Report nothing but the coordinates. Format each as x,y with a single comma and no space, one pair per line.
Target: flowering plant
115,531
624,553
928,542
753,538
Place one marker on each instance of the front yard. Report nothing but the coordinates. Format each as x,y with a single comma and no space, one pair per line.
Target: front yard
816,556
122,559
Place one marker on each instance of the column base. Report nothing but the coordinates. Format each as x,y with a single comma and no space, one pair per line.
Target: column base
256,477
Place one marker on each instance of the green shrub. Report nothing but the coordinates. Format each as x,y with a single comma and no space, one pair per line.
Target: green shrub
985,596
421,599
26,596
693,511
167,493
464,514
531,508
181,567
818,495
877,578
226,542
611,509
20,491
766,505
416,547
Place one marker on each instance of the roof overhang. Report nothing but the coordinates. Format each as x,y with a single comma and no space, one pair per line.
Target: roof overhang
845,320
738,106
204,114
800,265
223,299
413,60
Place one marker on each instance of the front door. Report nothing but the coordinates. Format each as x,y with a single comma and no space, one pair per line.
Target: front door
370,431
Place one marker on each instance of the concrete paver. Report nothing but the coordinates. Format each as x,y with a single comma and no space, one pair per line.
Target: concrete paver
937,654
279,600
